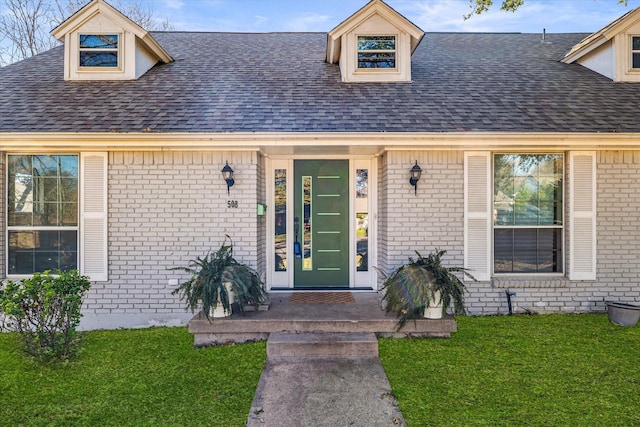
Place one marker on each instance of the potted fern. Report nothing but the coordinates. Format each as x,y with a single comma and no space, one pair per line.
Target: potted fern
217,281
424,288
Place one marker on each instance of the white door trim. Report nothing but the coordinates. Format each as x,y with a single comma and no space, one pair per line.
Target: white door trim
285,280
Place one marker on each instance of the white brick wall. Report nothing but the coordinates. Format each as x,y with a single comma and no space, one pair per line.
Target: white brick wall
431,219
166,208
434,219
3,213
261,226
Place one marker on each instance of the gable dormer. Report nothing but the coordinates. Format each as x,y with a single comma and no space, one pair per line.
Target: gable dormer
100,43
614,51
374,45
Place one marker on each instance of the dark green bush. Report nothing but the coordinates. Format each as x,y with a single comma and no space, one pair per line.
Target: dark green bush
45,311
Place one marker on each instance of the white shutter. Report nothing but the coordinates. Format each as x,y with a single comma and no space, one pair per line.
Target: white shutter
582,216
477,214
93,216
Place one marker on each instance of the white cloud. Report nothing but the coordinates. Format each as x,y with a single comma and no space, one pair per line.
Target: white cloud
554,15
173,4
311,22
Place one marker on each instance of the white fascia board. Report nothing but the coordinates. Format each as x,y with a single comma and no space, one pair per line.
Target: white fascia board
14,141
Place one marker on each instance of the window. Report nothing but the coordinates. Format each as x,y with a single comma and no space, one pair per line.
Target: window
99,50
527,213
362,219
280,219
635,52
376,52
42,213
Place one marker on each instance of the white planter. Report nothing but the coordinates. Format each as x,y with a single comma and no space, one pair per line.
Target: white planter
434,309
219,311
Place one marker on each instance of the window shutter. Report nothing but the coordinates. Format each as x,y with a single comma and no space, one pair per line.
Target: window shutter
477,218
93,216
582,182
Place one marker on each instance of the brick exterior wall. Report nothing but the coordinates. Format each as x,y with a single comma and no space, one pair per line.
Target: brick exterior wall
261,226
434,218
166,208
3,214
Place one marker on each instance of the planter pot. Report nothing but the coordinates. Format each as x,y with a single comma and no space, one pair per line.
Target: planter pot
434,309
219,311
623,314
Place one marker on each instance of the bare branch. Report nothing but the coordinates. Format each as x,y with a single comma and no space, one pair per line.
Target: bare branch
25,24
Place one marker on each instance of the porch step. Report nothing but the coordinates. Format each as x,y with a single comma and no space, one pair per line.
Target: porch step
329,345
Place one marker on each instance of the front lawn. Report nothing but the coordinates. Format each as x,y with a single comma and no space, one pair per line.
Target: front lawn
137,377
552,370
570,370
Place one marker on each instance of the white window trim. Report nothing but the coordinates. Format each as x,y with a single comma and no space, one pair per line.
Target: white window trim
561,227
9,228
92,216
119,50
376,70
631,52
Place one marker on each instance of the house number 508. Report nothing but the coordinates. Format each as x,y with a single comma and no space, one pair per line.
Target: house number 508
233,204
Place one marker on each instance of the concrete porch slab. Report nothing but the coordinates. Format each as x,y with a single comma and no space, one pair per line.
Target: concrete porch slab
365,314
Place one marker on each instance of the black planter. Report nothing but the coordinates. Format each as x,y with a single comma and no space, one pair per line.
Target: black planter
623,314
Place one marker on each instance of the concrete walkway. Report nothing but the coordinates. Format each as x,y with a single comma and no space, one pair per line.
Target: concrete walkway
310,392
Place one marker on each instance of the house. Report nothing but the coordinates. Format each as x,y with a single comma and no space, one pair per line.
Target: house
112,147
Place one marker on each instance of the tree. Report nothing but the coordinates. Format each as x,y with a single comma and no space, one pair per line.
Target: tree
481,6
25,24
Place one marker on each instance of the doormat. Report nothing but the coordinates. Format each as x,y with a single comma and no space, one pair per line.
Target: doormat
321,298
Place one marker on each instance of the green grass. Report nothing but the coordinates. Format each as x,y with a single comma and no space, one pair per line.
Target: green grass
555,370
133,378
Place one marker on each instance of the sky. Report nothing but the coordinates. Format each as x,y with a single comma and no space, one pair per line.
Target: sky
559,16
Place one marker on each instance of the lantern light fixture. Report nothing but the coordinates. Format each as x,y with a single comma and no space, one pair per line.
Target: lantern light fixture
416,172
227,174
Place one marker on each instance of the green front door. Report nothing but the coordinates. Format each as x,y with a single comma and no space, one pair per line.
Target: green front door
321,224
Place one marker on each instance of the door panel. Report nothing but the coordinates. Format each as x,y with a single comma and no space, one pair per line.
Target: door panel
321,211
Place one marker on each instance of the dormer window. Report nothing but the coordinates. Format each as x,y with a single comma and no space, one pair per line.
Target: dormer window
635,52
376,52
99,50
374,45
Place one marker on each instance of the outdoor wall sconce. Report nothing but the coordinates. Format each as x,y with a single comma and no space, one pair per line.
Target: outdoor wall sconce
416,171
227,174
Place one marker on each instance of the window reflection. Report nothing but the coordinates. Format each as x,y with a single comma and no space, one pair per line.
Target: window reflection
43,192
307,263
527,213
362,219
280,219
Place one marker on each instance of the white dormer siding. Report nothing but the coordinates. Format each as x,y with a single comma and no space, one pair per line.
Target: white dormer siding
137,52
610,51
376,19
601,60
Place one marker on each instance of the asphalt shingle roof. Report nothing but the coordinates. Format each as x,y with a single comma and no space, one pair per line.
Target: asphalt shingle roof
279,82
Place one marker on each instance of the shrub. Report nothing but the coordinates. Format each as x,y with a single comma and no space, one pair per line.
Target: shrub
45,311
